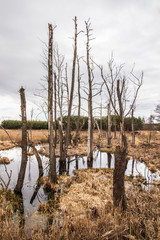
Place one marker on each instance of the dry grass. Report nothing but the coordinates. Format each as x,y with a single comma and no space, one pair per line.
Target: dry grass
38,136
85,211
142,150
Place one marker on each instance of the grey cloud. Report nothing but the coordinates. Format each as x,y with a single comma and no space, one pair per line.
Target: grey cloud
129,28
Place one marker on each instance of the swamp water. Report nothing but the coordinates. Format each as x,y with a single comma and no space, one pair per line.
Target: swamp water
31,200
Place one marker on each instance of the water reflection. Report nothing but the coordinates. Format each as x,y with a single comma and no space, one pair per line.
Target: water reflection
33,193
109,159
63,167
30,181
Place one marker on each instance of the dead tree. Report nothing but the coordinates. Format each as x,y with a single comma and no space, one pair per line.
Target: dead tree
79,104
109,125
59,67
52,158
68,140
115,80
55,111
99,131
101,127
133,130
93,90
90,113
22,171
39,160
3,184
114,119
66,84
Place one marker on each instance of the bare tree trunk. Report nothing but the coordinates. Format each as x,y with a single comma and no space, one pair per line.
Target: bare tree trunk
90,117
133,131
121,93
22,171
55,111
60,105
118,178
40,167
62,167
79,105
109,126
61,140
67,87
90,131
99,131
109,159
115,127
101,122
115,123
133,160
68,140
52,159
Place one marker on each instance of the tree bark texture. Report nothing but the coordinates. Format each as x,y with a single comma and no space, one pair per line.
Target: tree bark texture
133,131
55,111
90,117
118,178
109,159
115,123
52,173
79,106
109,126
68,140
22,171
40,167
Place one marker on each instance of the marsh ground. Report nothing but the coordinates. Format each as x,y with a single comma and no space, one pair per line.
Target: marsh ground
146,146
85,209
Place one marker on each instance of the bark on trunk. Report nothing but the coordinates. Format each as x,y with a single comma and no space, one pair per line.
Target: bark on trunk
68,139
40,167
118,178
61,145
115,123
109,159
99,133
22,171
101,127
90,117
115,127
109,126
90,131
52,173
62,167
55,112
79,106
133,131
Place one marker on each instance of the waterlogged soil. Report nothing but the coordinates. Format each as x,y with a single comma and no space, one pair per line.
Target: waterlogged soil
31,198
90,194
144,160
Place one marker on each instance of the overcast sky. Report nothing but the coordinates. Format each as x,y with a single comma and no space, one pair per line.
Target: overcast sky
129,28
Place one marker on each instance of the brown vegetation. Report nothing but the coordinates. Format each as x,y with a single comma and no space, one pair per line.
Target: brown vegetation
85,208
38,136
4,160
85,211
142,150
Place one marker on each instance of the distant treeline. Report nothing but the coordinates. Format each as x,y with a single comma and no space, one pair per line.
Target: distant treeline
14,124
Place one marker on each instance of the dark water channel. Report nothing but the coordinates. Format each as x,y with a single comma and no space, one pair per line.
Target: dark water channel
101,160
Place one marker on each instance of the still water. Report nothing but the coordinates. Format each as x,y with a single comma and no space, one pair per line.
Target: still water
31,202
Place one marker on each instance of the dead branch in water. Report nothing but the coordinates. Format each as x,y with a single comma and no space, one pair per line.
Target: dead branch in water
9,136
3,184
